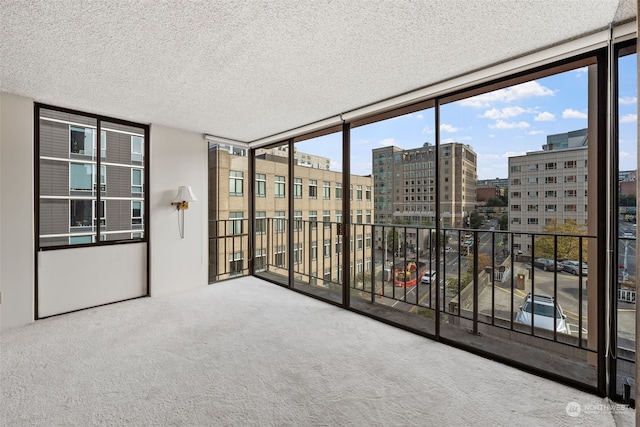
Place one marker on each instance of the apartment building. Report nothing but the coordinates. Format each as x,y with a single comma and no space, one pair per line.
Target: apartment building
317,201
77,204
548,185
405,180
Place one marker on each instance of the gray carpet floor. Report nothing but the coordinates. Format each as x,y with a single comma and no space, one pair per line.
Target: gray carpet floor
246,352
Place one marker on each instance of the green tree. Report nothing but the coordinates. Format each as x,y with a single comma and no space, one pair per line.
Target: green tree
393,240
496,202
503,222
475,220
568,246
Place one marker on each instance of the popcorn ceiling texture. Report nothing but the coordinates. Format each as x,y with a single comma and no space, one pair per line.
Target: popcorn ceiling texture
249,69
246,352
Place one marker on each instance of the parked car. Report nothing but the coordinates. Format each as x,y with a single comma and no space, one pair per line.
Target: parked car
573,267
429,277
541,308
627,235
546,264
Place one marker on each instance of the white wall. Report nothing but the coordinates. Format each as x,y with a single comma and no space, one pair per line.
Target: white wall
16,211
177,158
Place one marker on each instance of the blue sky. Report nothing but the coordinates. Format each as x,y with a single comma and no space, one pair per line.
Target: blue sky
497,125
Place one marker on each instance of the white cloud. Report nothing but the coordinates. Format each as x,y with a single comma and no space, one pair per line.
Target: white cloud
504,113
627,100
521,91
580,71
545,116
624,155
535,132
427,130
387,142
447,140
419,117
501,124
573,114
492,135
465,138
444,127
629,118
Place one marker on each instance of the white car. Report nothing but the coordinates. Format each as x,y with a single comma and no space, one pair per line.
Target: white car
429,277
543,316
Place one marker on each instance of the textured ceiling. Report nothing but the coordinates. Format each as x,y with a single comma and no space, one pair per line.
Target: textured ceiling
249,69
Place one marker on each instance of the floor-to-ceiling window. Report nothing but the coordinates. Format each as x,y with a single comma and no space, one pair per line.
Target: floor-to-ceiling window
624,294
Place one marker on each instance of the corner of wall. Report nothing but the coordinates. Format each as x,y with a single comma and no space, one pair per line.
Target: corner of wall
177,264
17,266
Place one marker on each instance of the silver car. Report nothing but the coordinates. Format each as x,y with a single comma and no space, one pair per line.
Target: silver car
573,267
543,307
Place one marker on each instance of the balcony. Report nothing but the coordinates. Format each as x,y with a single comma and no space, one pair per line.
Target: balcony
248,352
476,300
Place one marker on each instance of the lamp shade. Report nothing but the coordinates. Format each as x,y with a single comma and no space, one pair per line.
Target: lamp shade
185,194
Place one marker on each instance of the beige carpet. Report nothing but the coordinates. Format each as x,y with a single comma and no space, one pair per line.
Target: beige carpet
246,352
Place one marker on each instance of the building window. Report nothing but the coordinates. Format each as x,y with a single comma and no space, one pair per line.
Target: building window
235,183
297,253
261,223
313,219
570,193
359,242
338,217
326,190
549,166
550,208
515,208
279,186
367,193
313,189
570,208
550,180
82,179
550,193
515,168
571,164
82,214
515,181
280,256
137,182
260,261
532,221
327,275
297,221
368,217
533,180
236,264
570,178
367,241
297,188
279,222
515,194
533,167
261,185
137,149
235,223
359,216
532,194
314,250
326,219
338,191
327,248
532,208
338,245
137,214
359,192
515,220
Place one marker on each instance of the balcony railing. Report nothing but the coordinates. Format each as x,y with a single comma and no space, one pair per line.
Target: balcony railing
523,290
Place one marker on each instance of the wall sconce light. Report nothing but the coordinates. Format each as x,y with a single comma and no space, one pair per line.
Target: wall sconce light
181,202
